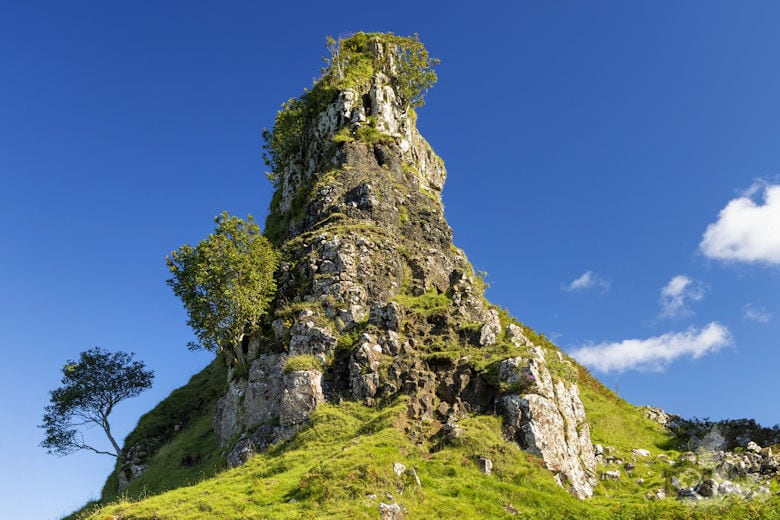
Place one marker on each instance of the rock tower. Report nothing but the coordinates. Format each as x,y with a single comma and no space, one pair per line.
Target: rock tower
374,301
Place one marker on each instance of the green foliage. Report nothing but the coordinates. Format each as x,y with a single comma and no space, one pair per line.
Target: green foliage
302,362
286,138
91,387
226,283
405,60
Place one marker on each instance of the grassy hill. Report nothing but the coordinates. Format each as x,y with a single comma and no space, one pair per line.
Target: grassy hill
341,466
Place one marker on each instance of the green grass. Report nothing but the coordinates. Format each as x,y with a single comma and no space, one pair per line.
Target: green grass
431,302
302,362
178,432
346,454
617,423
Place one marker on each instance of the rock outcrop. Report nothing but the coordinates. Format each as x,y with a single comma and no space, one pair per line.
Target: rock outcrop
697,475
374,301
548,419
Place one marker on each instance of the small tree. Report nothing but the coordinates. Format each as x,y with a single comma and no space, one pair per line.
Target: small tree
91,387
226,283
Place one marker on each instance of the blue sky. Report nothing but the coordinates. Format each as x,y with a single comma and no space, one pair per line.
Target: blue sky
613,166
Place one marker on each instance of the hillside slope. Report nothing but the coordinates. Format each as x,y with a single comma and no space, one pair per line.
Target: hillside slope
345,457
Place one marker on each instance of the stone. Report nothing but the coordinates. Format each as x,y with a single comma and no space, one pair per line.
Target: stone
390,512
658,494
399,468
728,487
301,395
611,475
242,452
659,415
688,493
511,509
516,336
640,452
252,401
752,447
451,432
306,337
708,488
528,373
485,465
490,330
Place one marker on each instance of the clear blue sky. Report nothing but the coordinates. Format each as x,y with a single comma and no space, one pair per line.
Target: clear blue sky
589,146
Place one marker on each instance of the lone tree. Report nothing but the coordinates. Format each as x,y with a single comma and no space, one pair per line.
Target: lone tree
226,283
91,387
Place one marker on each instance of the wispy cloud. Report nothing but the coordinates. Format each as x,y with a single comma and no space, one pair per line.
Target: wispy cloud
757,314
588,280
677,294
747,231
654,354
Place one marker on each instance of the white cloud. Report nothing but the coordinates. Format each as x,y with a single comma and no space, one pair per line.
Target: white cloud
677,294
653,354
589,280
759,315
745,230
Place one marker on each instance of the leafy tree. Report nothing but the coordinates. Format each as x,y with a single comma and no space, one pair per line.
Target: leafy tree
285,138
91,387
226,282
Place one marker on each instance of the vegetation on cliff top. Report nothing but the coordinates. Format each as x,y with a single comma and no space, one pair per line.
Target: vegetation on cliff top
353,62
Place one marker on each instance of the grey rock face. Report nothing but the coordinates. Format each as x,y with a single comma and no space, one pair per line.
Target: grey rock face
549,420
301,395
490,330
241,452
390,512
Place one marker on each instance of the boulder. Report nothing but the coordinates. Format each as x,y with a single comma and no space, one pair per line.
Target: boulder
390,512
490,330
708,488
301,395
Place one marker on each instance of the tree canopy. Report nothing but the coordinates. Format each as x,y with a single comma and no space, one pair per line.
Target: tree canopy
226,282
91,388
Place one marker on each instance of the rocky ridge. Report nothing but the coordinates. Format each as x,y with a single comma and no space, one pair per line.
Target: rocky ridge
375,302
